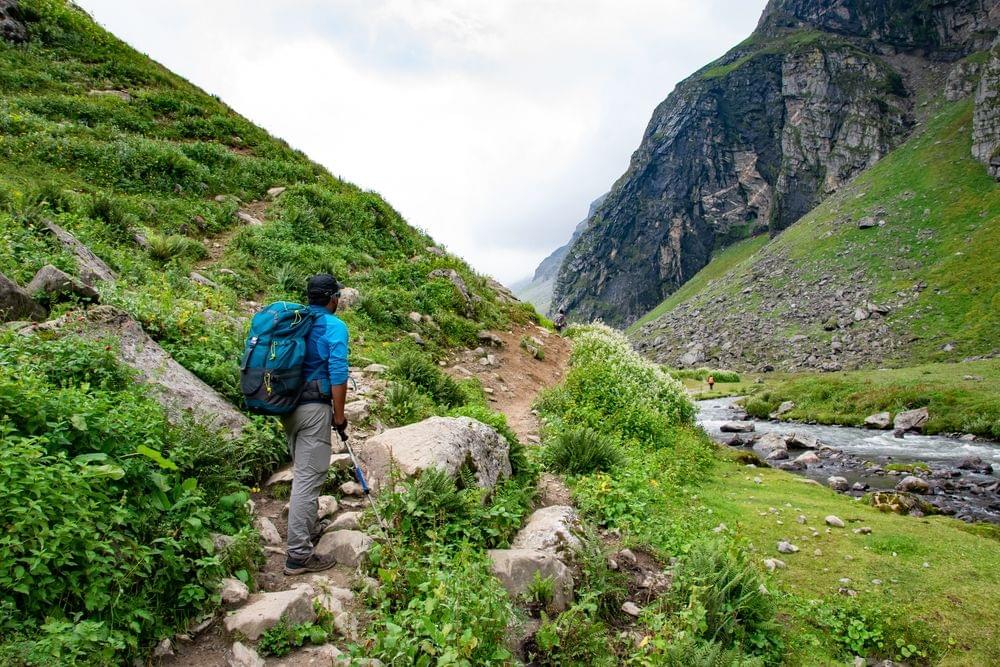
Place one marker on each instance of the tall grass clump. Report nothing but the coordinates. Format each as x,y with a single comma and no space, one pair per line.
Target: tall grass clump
581,450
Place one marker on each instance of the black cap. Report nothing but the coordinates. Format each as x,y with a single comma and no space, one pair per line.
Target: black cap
323,285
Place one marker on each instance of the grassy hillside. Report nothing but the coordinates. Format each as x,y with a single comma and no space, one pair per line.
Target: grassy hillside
933,260
108,509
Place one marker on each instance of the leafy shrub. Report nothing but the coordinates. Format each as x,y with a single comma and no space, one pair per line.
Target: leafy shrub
174,246
572,638
446,608
419,370
282,638
704,373
405,404
604,586
580,451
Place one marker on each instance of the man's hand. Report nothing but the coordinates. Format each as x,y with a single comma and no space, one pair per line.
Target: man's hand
341,429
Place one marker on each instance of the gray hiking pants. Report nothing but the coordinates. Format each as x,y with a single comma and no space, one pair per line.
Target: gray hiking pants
308,431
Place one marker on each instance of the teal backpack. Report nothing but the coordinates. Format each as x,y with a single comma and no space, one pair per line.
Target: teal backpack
271,372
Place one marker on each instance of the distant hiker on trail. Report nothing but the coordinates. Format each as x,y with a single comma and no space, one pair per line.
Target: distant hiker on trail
308,427
711,382
560,320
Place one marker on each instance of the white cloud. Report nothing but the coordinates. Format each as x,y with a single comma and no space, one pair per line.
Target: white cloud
491,124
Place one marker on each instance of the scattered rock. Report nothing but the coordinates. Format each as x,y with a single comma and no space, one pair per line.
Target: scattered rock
912,484
787,547
357,411
516,570
264,610
803,441
785,407
737,427
341,462
550,529
248,219
838,483
867,223
234,591
352,489
770,443
834,521
283,476
881,420
446,443
16,304
808,459
196,277
275,192
975,464
773,564
164,649
267,531
632,609
490,338
242,655
899,503
347,546
375,369
325,506
911,420
349,297
346,521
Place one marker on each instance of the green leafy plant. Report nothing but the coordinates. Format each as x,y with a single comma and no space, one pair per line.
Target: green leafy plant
405,404
581,450
174,246
282,638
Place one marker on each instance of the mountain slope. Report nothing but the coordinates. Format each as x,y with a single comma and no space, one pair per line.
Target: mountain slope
121,516
918,286
821,91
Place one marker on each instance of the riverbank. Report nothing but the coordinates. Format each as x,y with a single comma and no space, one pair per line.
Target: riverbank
961,398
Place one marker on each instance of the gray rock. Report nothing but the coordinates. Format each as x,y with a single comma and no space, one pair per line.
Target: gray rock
57,284
867,223
275,192
349,297
357,411
248,219
737,427
550,529
458,282
341,462
264,610
12,28
268,532
785,407
196,277
375,369
803,441
834,521
446,443
786,547
808,459
346,521
352,489
16,304
770,444
516,570
180,392
632,609
325,506
773,564
986,118
912,484
283,476
911,420
880,420
838,483
92,268
241,655
490,338
233,591
347,546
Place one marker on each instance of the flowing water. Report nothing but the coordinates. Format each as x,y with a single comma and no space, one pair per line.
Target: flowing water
966,494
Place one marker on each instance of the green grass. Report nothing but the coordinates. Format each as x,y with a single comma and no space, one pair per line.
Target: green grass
941,210
955,404
722,263
953,595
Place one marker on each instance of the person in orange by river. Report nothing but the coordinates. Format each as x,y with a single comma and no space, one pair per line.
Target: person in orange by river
711,382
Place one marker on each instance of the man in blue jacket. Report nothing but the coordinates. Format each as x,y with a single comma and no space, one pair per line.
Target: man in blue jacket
308,427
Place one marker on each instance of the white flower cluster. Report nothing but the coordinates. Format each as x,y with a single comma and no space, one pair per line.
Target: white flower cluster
636,379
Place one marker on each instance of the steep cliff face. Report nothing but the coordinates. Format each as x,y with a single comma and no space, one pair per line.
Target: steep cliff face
754,141
986,120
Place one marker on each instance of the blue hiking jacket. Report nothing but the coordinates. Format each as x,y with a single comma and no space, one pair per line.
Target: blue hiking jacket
326,351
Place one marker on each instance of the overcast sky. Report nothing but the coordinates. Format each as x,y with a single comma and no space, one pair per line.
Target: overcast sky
491,124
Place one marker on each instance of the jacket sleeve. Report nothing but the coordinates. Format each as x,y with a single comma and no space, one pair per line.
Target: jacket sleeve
337,340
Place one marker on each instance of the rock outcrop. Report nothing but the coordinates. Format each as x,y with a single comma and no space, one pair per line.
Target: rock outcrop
264,610
752,142
92,268
54,284
550,529
517,569
16,304
986,121
12,28
181,392
446,443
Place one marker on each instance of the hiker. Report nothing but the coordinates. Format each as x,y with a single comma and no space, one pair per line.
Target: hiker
711,382
560,320
308,427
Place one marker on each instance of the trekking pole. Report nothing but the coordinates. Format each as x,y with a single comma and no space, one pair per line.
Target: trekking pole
364,484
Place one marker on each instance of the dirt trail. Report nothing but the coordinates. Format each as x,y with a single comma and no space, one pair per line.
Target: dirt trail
515,377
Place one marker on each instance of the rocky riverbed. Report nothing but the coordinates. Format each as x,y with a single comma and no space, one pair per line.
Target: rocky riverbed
917,474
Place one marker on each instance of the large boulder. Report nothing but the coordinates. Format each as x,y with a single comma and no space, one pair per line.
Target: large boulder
175,387
803,441
346,546
264,610
16,304
55,284
880,420
771,445
92,267
446,443
911,420
737,427
516,570
913,484
550,529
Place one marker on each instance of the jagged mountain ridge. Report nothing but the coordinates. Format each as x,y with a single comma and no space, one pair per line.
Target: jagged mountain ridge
821,91
537,290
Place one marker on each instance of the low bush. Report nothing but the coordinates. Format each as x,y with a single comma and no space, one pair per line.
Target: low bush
167,247
574,637
718,375
581,451
405,404
419,370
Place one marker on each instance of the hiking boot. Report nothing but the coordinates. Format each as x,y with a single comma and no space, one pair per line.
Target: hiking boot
319,530
315,563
